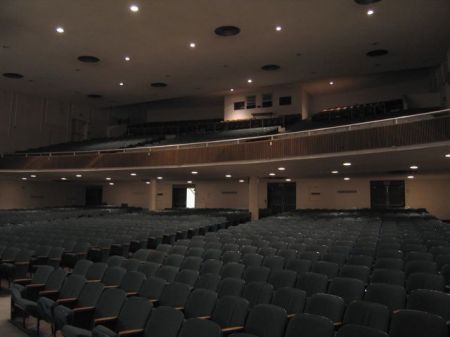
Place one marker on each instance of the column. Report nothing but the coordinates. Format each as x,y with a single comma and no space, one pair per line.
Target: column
253,197
153,195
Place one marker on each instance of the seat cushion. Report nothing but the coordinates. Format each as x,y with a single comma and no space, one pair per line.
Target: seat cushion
73,331
45,308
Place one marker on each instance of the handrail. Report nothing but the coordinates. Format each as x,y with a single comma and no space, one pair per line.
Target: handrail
332,129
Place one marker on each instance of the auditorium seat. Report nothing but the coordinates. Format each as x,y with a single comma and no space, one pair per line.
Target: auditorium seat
312,283
327,305
152,288
353,330
257,293
230,287
349,289
174,295
187,276
113,276
431,301
389,276
392,296
307,325
412,323
291,299
369,314
200,304
425,281
195,327
232,270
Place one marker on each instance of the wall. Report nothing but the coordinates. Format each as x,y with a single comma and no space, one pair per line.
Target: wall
293,90
31,122
15,194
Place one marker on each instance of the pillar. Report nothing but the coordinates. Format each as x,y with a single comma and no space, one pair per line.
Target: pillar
253,197
153,195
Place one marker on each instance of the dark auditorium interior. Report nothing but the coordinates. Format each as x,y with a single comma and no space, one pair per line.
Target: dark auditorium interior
206,168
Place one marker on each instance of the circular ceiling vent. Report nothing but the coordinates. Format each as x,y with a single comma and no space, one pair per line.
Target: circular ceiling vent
13,75
88,59
94,96
159,85
270,67
227,30
366,2
377,53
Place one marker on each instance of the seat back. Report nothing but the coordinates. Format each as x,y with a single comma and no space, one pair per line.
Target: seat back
110,302
152,288
200,303
327,305
164,322
307,325
133,314
230,311
369,314
412,323
195,327
266,320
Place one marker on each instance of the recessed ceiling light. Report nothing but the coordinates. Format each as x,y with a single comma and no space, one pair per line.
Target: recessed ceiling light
189,181
63,178
33,176
78,176
334,172
60,30
108,178
112,184
331,83
121,84
194,172
249,80
231,89
288,179
241,180
414,167
346,178
447,155
127,58
370,12
134,8
192,45
410,177
281,169
24,178
271,174
227,175
347,164
278,28
147,182
133,174
159,178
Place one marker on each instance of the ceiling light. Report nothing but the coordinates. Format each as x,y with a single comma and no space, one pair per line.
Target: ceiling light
334,172
63,178
331,83
33,176
346,178
111,184
133,174
227,175
281,169
241,180
370,12
447,155
159,178
414,167
134,8
410,177
108,178
194,172
271,174
192,45
121,84
288,180
231,89
24,178
189,181
347,164
147,182
78,176
278,28
249,80
60,30
127,58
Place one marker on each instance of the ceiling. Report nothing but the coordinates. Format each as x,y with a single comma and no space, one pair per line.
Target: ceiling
394,162
319,40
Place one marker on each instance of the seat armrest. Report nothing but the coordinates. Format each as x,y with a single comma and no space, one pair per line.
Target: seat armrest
233,329
22,281
131,332
179,308
48,292
111,286
104,320
83,309
21,263
35,285
132,293
55,259
291,316
93,281
204,317
66,300
337,324
7,261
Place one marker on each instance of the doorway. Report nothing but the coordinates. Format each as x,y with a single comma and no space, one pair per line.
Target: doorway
183,196
281,197
387,194
94,196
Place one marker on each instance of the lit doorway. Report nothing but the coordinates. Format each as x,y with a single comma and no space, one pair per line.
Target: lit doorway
183,196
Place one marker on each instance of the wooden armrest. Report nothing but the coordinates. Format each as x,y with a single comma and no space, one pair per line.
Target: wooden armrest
55,259
111,286
396,311
337,324
83,309
179,308
66,300
204,317
153,300
130,332
104,319
21,263
48,292
93,281
22,280
35,285
233,328
291,315
7,261
132,293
